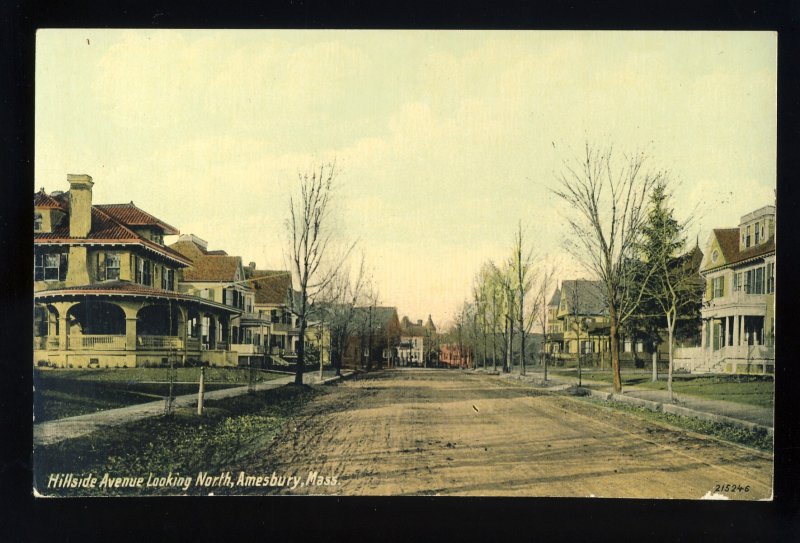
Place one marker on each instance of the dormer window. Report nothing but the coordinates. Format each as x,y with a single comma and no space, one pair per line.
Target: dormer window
37,221
757,234
747,237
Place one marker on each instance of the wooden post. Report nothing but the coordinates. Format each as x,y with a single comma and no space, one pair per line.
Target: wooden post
201,390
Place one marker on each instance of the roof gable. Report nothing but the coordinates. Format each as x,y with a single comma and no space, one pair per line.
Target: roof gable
131,215
725,242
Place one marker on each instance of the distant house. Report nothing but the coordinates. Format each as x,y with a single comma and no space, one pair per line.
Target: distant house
374,336
417,341
738,314
217,276
106,288
583,318
452,355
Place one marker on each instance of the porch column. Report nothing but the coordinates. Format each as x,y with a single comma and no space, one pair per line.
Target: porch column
735,330
130,333
63,331
703,342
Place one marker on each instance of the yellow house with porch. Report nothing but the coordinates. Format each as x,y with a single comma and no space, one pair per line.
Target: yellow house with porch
105,289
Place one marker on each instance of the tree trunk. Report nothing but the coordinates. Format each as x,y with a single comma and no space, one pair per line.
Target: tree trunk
655,363
522,349
614,332
301,353
670,328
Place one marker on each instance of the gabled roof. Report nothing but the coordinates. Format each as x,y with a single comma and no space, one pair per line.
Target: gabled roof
556,298
106,230
588,294
380,315
133,216
213,268
728,241
271,286
205,266
429,324
42,199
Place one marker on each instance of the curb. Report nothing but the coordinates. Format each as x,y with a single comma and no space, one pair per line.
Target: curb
680,411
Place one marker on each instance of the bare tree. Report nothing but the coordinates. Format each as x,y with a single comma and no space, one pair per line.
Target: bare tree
542,315
504,279
310,234
344,294
607,208
524,275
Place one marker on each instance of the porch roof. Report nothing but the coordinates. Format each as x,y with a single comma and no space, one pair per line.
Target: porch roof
126,289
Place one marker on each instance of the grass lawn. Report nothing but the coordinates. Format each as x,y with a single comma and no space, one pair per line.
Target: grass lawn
67,393
231,430
746,389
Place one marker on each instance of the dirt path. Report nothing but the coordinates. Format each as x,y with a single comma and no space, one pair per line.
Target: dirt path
439,432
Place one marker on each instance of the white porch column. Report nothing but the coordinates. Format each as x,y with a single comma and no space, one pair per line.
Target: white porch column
703,335
736,320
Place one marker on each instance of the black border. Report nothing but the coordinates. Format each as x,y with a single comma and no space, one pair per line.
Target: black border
183,519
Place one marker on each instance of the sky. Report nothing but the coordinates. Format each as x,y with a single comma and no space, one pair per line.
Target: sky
443,140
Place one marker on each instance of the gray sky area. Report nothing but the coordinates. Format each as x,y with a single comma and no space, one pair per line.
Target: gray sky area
444,140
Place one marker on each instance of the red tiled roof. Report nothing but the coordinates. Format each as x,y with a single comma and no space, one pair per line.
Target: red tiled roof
131,215
125,288
42,199
104,229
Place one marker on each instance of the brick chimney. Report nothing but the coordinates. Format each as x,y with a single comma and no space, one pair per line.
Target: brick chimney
80,205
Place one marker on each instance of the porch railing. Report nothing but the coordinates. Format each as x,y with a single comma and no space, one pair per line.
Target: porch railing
159,342
45,342
97,342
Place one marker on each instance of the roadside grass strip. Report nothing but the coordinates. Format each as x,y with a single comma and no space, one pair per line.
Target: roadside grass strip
180,445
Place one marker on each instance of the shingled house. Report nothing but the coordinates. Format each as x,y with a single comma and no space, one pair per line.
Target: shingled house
738,311
106,290
217,276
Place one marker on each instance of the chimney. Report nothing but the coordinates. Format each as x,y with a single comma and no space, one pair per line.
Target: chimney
252,266
419,322
80,205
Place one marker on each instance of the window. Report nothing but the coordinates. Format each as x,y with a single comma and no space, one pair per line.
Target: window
112,266
737,281
37,221
167,279
147,276
717,287
50,267
758,282
747,238
770,278
757,234
144,271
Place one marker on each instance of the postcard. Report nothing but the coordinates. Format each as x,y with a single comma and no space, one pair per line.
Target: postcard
391,263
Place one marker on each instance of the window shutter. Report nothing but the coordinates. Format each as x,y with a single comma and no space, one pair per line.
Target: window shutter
38,267
225,296
62,267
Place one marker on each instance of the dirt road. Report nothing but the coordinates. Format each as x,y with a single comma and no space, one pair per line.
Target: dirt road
450,433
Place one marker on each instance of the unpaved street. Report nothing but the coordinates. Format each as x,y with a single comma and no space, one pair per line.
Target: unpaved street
450,433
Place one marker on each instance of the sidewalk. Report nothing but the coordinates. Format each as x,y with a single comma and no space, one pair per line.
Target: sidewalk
748,414
46,433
